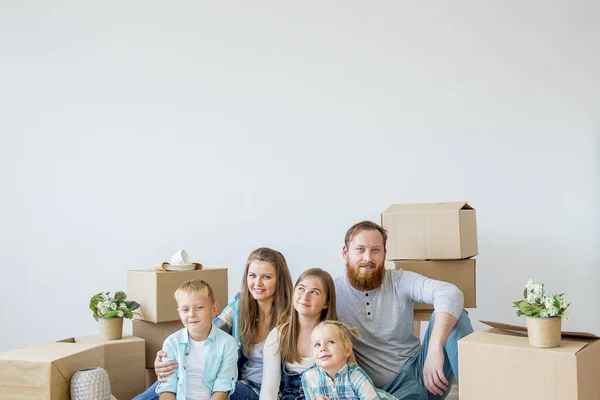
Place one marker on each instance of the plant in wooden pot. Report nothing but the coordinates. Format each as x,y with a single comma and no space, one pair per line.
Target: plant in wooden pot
110,311
543,313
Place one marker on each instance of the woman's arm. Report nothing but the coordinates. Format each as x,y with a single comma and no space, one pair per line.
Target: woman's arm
271,378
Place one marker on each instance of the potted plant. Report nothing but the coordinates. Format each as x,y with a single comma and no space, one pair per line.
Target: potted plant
544,314
110,311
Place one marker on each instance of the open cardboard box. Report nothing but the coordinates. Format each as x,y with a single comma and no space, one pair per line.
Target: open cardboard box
499,364
43,371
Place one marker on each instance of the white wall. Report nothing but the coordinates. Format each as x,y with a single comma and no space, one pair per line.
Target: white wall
132,129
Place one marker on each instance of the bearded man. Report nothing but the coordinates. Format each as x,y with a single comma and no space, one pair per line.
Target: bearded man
380,303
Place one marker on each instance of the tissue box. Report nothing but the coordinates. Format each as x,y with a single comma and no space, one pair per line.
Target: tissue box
154,290
43,371
154,336
124,361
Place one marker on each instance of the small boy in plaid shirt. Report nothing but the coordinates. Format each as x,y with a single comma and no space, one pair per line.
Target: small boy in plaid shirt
336,375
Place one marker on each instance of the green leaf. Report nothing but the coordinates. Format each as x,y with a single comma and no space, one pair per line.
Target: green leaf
516,303
525,293
132,305
95,317
519,313
110,314
120,296
94,302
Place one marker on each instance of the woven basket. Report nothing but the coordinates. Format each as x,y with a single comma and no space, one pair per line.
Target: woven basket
544,332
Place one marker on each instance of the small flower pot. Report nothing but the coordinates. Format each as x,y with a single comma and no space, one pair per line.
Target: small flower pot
543,332
111,328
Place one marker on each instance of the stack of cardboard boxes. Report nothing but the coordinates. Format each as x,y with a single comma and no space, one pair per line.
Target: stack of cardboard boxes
436,240
159,318
44,371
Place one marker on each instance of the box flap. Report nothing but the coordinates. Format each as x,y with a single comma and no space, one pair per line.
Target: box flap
427,207
487,338
516,328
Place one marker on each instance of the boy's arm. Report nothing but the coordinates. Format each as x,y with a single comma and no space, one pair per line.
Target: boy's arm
228,371
218,396
167,396
170,383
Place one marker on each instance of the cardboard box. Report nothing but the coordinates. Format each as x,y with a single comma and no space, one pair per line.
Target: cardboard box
154,290
154,335
124,361
500,364
435,231
460,273
43,371
150,377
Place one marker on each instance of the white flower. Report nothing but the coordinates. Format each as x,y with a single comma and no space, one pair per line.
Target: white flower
101,311
113,306
530,284
120,314
123,306
563,304
544,314
531,298
549,302
552,311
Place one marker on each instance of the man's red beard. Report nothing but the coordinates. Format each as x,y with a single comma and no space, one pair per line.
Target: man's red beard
365,280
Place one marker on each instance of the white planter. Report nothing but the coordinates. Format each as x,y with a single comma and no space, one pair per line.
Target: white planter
90,384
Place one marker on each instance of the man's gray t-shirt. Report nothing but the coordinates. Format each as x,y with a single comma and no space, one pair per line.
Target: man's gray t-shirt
384,318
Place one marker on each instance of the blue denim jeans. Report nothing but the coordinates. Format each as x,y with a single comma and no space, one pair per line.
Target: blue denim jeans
408,384
246,390
149,394
291,385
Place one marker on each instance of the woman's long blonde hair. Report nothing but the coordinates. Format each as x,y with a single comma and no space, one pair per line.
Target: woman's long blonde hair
288,344
248,316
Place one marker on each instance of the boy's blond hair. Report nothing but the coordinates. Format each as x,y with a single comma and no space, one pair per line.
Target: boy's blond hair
196,286
347,335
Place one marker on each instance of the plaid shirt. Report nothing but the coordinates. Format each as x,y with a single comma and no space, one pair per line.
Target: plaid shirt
349,383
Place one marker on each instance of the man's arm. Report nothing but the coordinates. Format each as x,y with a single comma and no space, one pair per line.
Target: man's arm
167,396
433,369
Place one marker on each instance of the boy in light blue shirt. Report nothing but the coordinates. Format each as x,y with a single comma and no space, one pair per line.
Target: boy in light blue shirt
207,356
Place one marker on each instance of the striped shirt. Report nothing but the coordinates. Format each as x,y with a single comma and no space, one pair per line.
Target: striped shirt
349,383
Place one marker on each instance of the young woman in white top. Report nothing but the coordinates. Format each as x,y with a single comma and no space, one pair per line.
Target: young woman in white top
287,351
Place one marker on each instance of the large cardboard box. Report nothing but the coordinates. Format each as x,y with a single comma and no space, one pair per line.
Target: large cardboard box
460,273
434,231
43,371
154,335
150,377
500,364
124,361
154,290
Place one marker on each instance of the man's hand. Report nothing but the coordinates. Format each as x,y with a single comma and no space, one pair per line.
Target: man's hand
433,371
322,398
163,369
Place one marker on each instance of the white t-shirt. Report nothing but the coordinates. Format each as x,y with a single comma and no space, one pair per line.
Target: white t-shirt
196,389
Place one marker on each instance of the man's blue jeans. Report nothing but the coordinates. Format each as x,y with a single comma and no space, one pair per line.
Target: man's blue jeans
408,384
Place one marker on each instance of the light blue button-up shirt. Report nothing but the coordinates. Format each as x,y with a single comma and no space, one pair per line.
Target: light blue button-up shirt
220,365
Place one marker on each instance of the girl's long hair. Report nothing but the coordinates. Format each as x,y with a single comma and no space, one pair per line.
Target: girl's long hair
288,344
